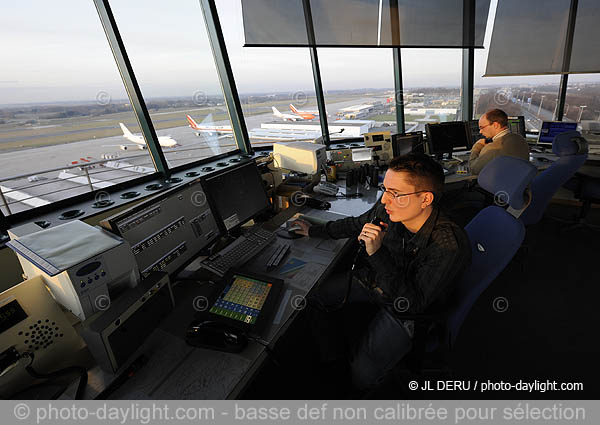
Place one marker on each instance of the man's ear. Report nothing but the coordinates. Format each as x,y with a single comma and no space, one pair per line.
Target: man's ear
427,199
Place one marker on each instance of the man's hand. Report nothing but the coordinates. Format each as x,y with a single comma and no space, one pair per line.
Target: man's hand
304,227
372,235
479,145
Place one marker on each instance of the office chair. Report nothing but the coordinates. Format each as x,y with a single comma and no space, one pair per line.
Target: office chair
496,234
572,150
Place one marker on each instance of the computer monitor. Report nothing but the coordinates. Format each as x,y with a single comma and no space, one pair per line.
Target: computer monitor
237,195
550,129
443,138
517,125
474,131
167,231
405,143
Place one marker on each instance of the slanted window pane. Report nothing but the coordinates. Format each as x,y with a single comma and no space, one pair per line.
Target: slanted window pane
270,82
169,50
62,100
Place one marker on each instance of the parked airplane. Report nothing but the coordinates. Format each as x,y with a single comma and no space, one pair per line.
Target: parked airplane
140,143
307,115
258,135
209,129
286,117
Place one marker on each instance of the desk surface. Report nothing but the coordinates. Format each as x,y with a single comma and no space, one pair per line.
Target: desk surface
177,371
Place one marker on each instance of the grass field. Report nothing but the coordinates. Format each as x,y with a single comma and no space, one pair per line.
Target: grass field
67,130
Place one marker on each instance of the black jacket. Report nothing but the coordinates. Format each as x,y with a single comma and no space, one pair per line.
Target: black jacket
413,270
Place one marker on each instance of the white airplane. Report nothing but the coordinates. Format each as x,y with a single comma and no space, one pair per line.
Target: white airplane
286,117
140,143
309,115
259,135
210,129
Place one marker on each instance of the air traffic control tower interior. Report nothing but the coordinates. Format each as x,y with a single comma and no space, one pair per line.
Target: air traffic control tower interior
182,187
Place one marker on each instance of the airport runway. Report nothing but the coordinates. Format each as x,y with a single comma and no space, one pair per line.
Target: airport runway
124,165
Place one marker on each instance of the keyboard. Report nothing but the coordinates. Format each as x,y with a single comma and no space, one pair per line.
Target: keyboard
239,251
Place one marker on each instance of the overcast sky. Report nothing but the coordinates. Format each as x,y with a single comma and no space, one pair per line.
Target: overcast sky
57,51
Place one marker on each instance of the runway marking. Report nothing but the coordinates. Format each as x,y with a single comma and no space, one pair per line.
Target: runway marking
23,197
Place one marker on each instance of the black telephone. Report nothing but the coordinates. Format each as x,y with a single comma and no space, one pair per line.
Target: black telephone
488,140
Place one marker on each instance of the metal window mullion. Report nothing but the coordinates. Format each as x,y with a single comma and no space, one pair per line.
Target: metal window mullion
399,91
468,60
316,69
562,90
232,99
397,53
133,90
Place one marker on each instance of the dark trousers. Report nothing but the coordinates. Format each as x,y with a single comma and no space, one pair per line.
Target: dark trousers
372,353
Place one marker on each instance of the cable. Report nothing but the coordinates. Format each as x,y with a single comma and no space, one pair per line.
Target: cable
268,349
81,371
352,195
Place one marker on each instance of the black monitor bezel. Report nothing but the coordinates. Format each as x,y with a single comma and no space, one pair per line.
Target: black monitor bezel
266,313
412,134
213,204
549,144
521,119
439,154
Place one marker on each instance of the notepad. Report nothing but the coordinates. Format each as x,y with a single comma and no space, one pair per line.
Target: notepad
292,265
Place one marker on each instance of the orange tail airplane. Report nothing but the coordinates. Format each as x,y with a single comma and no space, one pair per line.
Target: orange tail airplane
307,115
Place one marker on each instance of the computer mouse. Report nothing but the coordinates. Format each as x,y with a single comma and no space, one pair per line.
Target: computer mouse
215,335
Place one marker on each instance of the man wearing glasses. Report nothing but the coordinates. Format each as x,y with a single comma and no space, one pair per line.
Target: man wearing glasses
412,258
499,141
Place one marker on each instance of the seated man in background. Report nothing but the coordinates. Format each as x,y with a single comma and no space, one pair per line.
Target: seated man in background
412,258
499,141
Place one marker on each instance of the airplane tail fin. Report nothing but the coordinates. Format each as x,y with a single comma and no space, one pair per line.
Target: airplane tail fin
275,111
126,131
192,122
293,109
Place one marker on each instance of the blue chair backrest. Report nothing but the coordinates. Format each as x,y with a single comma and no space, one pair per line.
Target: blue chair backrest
507,178
495,236
572,151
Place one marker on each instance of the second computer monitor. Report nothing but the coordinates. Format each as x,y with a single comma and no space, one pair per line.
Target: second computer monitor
237,194
517,125
405,143
443,138
550,129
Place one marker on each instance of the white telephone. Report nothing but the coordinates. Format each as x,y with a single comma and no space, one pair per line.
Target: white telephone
326,188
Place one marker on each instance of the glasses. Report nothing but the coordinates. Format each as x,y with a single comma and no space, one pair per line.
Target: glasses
400,198
481,128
